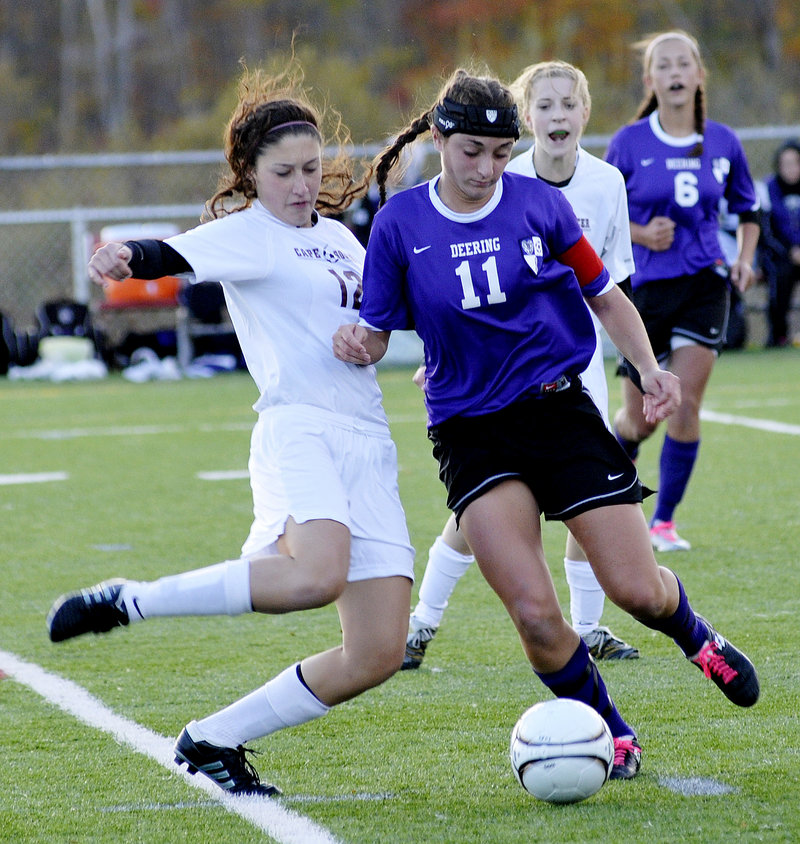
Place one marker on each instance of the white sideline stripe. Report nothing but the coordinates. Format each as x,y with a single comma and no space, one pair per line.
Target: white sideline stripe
283,825
122,431
748,422
224,475
151,430
32,478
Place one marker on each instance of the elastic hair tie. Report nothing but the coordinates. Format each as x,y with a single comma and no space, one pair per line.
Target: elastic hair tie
292,123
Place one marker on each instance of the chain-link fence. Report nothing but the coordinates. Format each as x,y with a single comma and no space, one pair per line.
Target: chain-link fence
63,202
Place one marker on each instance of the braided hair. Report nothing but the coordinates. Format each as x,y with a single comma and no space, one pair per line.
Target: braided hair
649,104
462,88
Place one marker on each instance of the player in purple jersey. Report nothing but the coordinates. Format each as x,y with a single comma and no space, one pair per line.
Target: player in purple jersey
677,167
555,104
492,270
327,528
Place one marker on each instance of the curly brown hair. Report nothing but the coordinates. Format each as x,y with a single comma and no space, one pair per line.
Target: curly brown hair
269,108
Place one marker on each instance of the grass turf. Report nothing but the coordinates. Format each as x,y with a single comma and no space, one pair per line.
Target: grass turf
423,758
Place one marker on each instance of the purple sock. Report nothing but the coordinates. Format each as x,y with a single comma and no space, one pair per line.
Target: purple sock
677,462
630,448
683,626
580,680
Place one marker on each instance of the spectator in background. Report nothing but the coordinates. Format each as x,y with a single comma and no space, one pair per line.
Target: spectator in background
361,214
779,246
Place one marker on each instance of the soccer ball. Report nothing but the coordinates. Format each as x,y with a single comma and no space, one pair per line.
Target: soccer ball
561,751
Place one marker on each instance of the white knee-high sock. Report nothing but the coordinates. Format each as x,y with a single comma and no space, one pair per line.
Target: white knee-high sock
221,589
285,701
586,597
445,568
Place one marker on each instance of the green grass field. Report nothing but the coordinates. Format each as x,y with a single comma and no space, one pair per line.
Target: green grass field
424,757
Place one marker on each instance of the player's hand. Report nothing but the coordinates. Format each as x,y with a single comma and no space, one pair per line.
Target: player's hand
348,344
110,262
419,377
662,394
742,275
658,234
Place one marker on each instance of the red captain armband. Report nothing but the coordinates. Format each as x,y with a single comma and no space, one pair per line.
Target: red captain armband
584,261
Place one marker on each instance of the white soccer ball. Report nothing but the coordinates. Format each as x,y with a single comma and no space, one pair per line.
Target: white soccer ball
561,751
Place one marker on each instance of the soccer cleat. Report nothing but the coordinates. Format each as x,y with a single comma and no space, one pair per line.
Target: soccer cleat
228,767
728,667
603,644
97,609
664,537
627,759
416,643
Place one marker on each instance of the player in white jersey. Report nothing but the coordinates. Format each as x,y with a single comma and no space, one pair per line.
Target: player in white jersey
491,269
327,527
678,166
555,104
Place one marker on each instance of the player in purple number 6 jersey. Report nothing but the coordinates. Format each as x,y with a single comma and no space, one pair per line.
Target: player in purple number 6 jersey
327,528
491,269
677,167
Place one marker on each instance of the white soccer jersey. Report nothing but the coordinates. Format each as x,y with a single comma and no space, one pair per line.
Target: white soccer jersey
597,194
288,289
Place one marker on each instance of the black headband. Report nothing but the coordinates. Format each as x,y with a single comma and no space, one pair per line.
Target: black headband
450,117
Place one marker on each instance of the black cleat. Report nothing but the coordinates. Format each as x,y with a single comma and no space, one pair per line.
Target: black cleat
228,767
93,610
415,647
627,759
603,644
728,667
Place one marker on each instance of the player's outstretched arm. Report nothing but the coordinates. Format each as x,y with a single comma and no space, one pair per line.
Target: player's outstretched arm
111,261
627,332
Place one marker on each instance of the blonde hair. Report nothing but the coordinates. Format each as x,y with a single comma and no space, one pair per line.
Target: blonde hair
523,85
649,104
647,45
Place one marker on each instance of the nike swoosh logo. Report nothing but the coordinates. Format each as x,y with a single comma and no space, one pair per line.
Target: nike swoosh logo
646,162
136,605
418,249
614,477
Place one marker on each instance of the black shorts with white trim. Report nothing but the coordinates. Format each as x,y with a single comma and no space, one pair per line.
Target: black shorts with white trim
556,443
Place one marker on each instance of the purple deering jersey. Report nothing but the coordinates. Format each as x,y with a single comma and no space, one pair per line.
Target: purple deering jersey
663,180
498,314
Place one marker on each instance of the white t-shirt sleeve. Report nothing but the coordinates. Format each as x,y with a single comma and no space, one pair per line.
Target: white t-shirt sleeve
222,250
617,249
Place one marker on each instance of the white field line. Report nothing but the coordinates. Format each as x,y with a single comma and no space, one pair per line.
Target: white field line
767,425
224,475
121,431
749,422
151,430
268,815
32,478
